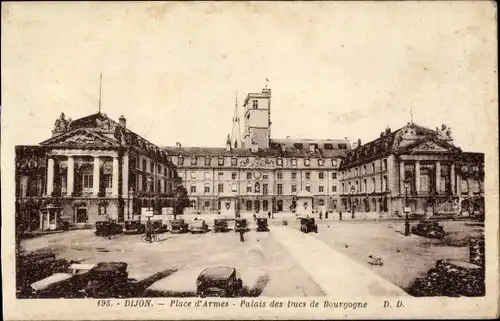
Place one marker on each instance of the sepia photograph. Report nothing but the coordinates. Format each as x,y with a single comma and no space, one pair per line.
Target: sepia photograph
249,160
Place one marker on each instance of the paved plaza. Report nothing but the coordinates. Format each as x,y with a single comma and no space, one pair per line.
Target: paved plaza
281,262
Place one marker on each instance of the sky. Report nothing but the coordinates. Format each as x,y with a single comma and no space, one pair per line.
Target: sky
336,69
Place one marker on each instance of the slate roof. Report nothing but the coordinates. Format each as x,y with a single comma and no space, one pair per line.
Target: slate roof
388,143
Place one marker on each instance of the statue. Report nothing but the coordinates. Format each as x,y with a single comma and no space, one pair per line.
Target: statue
61,124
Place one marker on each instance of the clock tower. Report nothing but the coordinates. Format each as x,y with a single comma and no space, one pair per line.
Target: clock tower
257,120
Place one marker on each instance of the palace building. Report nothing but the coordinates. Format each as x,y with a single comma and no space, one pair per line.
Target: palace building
262,173
413,167
94,168
91,168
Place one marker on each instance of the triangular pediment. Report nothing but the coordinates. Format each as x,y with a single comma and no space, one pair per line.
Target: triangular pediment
80,137
433,146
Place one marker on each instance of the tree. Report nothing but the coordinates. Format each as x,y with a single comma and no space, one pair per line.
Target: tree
181,200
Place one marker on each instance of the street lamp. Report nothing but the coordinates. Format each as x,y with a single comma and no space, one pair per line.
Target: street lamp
352,207
407,209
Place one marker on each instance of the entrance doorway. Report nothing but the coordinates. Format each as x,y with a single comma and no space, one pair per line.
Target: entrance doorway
257,206
81,214
279,206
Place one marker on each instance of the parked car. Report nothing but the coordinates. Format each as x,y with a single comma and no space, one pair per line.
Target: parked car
308,224
64,283
107,228
240,224
135,227
262,224
178,226
107,280
220,225
219,282
199,226
429,229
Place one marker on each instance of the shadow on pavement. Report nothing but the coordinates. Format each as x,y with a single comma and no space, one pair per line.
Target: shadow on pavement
257,289
142,285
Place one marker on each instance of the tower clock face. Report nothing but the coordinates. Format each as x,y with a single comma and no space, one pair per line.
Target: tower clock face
257,175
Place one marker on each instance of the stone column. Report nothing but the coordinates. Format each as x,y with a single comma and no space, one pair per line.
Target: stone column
438,176
417,176
70,175
115,177
97,176
50,176
125,186
452,179
401,177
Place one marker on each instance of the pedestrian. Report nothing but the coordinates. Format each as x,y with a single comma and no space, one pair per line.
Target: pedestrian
242,238
340,215
326,215
269,214
149,230
320,215
254,217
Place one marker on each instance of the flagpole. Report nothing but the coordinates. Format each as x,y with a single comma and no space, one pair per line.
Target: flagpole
100,92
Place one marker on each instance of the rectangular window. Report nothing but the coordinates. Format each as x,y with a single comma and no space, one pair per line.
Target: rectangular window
334,175
234,175
334,189
294,188
307,162
385,183
234,188
249,188
365,187
294,162
308,175
221,161
373,168
180,160
88,181
151,167
280,175
328,146
255,104
320,162
342,146
207,161
193,175
373,185
334,162
298,146
385,164
308,188
264,176
294,175
207,188
144,165
321,175
280,189
321,188
108,181
193,161
234,161
264,189
220,174
249,175
220,188
193,188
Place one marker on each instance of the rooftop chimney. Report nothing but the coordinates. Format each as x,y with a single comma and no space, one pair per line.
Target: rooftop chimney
123,121
359,142
178,144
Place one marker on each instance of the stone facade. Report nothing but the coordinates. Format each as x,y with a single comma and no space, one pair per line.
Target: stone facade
413,167
265,174
90,169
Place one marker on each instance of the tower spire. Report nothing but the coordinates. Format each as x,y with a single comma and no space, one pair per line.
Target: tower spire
100,91
411,113
235,132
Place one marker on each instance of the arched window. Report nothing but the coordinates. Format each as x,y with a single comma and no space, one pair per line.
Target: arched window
257,187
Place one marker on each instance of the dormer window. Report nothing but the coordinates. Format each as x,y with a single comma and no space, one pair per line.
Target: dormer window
234,161
307,162
328,146
207,161
294,162
221,161
312,147
193,160
320,162
334,162
279,161
180,160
